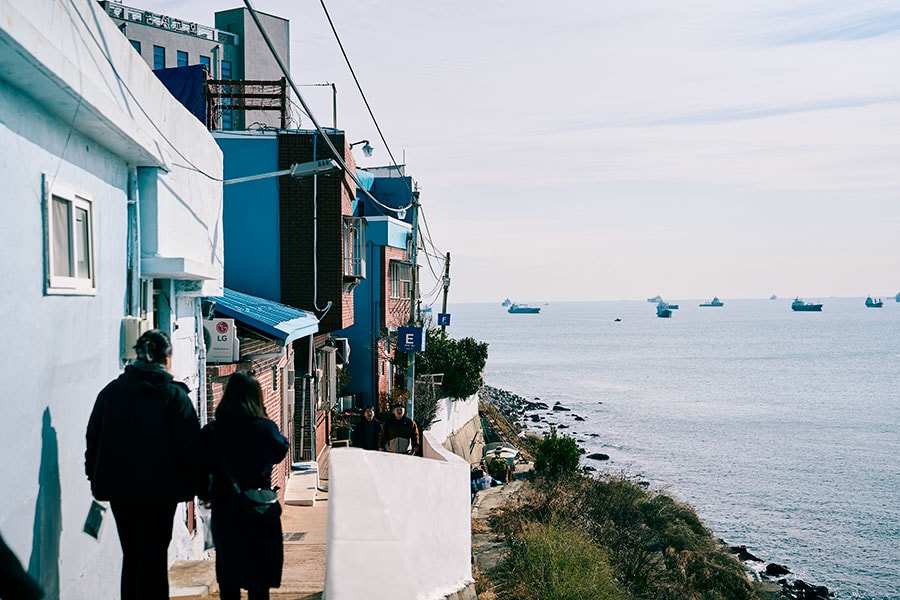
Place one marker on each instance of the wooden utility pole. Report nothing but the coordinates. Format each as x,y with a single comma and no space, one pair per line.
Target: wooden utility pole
446,287
414,282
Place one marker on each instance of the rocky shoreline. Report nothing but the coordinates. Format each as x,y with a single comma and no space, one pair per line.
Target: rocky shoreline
532,416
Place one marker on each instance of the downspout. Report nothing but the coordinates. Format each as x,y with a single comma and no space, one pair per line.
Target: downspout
133,253
201,354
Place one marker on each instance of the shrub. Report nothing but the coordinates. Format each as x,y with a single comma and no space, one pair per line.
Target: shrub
556,562
556,456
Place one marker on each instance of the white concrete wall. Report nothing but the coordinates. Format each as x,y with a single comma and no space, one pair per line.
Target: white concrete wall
453,415
78,105
399,526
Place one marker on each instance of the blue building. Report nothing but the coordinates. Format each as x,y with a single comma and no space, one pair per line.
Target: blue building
382,300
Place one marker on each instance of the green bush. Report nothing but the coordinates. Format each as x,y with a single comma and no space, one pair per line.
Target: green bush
556,562
461,362
556,456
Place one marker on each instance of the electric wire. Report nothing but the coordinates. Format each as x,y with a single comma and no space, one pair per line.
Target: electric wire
358,86
334,153
115,71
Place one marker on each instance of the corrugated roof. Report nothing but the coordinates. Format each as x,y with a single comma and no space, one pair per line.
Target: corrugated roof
284,323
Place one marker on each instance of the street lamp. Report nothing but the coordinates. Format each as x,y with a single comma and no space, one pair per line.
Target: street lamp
316,167
367,149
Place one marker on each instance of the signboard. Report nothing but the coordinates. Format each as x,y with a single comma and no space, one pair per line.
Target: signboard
221,340
410,339
443,319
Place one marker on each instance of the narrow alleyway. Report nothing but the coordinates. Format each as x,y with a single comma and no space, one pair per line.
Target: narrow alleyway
305,534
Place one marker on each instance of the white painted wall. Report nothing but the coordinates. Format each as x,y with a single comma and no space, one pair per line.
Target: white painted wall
453,415
68,88
398,526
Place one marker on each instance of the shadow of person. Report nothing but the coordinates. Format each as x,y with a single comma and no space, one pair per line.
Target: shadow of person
43,565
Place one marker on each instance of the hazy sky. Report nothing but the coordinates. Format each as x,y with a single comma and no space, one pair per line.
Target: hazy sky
591,149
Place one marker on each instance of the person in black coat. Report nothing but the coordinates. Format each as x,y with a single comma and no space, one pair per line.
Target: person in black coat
144,455
367,432
244,446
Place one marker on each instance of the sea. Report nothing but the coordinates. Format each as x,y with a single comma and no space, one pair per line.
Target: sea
780,428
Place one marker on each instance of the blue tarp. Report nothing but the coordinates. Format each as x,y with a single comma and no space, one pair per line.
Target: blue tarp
365,178
188,85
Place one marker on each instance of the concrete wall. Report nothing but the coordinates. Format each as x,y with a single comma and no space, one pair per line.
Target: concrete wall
452,415
458,428
79,107
398,526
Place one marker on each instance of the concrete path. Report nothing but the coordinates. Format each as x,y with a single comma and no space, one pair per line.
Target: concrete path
305,534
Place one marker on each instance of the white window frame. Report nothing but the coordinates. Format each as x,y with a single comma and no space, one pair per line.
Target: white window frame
354,247
400,279
70,283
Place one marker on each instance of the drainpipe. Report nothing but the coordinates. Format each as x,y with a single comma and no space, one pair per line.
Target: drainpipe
201,354
133,252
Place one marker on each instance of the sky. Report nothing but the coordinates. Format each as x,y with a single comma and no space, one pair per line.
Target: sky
600,150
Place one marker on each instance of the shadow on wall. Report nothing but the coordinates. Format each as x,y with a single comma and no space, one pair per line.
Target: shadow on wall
44,563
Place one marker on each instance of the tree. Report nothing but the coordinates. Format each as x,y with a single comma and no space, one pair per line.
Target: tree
460,361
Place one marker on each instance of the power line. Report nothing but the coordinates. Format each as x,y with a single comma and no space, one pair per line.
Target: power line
105,54
335,154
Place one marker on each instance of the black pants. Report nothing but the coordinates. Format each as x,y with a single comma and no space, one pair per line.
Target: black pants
145,530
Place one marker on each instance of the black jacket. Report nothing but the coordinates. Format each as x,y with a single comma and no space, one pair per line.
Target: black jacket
247,555
365,434
143,439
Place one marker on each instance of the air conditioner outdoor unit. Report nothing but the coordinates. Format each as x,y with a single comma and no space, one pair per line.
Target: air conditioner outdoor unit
343,350
222,344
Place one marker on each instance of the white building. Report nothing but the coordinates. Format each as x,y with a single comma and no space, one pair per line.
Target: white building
112,209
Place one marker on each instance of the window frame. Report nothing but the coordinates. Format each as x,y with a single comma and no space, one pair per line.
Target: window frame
71,284
354,242
159,52
181,58
399,287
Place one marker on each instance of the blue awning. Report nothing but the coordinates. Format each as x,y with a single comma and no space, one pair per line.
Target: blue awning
283,323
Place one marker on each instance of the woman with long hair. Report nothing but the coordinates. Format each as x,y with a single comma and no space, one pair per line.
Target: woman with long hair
244,446
144,456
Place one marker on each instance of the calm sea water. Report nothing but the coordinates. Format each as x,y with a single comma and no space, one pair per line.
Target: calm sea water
781,429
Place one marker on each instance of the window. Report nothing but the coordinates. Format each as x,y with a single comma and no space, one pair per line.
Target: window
399,274
159,57
227,119
68,240
354,248
204,60
226,69
181,58
136,45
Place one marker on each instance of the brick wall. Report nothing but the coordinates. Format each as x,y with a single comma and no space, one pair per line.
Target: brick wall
271,381
332,201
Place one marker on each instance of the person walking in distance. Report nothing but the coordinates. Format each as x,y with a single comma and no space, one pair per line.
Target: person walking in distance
245,446
367,432
400,433
144,455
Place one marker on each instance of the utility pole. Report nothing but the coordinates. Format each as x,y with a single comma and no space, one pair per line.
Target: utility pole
414,282
446,287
